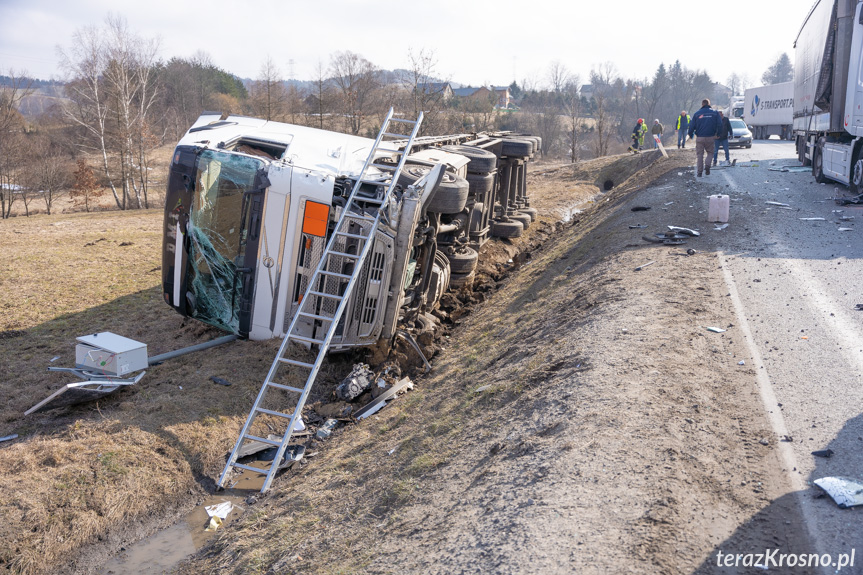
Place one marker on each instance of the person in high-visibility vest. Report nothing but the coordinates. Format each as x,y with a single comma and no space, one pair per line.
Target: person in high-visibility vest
682,128
638,135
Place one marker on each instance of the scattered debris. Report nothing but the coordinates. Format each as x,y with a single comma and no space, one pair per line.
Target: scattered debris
777,204
220,381
741,362
218,513
846,218
859,307
720,228
642,266
481,388
357,381
845,229
764,442
9,437
685,231
786,438
691,252
55,358
812,219
823,453
638,227
377,404
715,329
327,428
640,208
668,203
846,492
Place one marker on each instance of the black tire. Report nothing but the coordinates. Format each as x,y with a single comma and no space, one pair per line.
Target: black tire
463,262
818,165
450,196
506,229
523,218
855,185
529,211
458,281
748,146
479,184
475,217
481,161
516,148
536,144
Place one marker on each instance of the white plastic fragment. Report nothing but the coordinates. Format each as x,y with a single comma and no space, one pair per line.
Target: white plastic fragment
741,362
714,329
812,219
776,204
846,492
720,228
845,229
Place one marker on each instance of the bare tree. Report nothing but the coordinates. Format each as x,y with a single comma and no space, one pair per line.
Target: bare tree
605,83
322,98
45,171
558,76
426,96
574,106
268,95
355,78
11,133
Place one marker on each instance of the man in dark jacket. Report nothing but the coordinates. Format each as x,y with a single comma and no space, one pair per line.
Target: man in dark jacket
705,126
725,132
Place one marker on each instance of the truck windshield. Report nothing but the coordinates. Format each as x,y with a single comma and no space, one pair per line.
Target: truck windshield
218,224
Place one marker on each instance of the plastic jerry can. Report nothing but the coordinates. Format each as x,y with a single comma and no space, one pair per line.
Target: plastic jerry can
717,210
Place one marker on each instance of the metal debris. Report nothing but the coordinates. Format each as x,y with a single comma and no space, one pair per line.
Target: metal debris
9,437
377,404
715,329
846,492
685,231
812,219
355,383
642,266
777,204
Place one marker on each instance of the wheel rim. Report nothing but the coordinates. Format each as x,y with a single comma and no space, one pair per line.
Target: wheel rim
858,173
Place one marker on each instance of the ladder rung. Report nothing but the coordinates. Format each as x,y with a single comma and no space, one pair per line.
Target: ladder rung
350,235
392,135
262,440
389,150
296,363
367,200
383,167
322,294
285,387
334,275
250,468
401,121
306,339
271,412
343,254
320,317
380,182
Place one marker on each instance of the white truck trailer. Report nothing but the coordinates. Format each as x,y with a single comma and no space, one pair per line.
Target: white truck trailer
735,107
768,111
828,93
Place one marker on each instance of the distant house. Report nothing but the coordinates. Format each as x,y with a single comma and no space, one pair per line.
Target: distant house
442,88
587,91
481,93
504,98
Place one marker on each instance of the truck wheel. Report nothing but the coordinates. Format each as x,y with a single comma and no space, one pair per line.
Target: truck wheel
458,281
481,161
856,183
475,217
450,196
463,262
529,211
506,229
516,148
479,184
818,165
523,218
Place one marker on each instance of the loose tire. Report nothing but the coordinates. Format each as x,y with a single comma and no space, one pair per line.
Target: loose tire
463,262
516,148
506,229
481,161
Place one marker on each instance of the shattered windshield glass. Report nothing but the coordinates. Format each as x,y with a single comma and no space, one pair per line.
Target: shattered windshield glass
217,229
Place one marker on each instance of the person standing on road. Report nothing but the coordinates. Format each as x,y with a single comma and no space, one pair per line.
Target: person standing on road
704,126
725,132
682,127
656,130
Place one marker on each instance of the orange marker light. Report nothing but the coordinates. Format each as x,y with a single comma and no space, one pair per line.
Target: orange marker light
316,218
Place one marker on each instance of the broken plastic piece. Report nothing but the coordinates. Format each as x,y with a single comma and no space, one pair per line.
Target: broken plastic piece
720,228
812,219
741,362
642,266
823,453
686,231
844,229
377,404
220,381
638,227
776,204
357,381
846,492
9,437
715,329
327,429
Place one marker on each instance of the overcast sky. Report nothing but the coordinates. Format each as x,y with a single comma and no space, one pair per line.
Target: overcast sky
475,41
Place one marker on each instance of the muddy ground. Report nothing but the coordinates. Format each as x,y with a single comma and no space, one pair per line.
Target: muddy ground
579,418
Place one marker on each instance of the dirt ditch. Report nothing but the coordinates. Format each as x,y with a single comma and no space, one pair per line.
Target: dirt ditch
82,483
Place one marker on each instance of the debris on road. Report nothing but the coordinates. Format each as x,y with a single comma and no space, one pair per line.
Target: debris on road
812,219
714,329
741,362
217,514
780,204
640,208
823,453
9,437
642,266
687,231
327,429
720,228
845,229
638,227
846,492
859,307
691,252
220,381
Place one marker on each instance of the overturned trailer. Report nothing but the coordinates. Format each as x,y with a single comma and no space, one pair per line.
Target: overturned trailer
251,204
327,240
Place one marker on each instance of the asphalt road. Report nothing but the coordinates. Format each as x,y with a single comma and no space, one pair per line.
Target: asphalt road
795,284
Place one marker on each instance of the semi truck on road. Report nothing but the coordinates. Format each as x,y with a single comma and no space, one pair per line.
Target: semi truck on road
828,92
768,111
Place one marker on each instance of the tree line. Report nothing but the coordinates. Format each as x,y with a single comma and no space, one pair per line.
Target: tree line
97,132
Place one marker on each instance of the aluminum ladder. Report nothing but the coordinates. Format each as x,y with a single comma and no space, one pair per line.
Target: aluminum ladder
356,209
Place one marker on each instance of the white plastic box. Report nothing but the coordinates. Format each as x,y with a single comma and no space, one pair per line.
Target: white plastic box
107,353
717,209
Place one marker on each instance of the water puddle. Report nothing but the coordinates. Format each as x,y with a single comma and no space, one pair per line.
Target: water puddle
162,551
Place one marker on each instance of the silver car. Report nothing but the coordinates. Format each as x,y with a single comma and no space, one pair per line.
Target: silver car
741,137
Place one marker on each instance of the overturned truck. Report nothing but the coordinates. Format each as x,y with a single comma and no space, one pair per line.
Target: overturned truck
251,205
